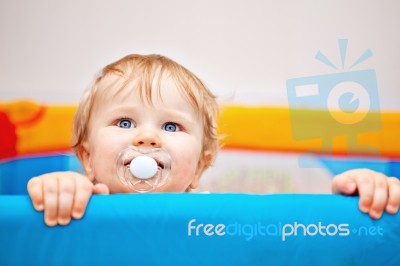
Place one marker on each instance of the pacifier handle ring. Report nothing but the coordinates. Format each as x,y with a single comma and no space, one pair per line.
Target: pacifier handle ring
143,171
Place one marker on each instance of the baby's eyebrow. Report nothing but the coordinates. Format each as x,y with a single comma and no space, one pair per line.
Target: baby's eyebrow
177,115
172,114
123,109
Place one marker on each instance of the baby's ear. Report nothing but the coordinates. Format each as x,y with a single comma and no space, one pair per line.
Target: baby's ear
208,159
84,157
205,161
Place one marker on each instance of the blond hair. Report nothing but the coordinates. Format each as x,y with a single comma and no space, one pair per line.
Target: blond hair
144,70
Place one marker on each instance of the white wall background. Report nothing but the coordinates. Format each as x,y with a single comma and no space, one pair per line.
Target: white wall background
50,50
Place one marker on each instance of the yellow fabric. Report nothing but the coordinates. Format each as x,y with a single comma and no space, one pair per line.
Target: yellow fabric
52,132
267,128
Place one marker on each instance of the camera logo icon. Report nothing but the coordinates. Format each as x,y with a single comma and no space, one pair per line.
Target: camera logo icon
337,104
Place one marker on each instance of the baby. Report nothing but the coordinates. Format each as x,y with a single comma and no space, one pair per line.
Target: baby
148,103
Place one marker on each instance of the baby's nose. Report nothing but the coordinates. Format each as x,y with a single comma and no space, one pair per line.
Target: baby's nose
147,139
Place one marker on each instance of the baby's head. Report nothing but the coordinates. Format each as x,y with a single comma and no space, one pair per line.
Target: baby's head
147,102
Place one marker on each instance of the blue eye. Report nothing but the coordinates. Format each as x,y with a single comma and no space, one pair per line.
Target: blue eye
124,123
171,127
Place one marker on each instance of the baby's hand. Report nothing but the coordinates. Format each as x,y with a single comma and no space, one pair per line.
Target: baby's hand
62,195
377,192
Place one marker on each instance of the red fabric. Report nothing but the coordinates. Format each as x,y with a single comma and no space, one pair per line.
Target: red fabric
8,137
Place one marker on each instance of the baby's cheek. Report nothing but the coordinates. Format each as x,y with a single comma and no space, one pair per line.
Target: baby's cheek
105,171
184,173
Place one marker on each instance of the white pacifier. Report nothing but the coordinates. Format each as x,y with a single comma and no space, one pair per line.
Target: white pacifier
143,171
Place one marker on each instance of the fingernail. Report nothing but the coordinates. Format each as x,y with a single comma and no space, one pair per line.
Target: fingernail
375,214
364,209
392,208
50,222
77,215
63,221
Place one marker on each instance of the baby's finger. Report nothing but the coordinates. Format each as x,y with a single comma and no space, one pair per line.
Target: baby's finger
35,191
100,188
380,196
365,186
394,195
82,195
50,191
66,190
343,184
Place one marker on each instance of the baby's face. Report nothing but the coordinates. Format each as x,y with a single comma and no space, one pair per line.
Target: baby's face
124,119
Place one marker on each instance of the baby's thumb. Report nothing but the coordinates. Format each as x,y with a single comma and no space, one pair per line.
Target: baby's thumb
344,185
100,188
